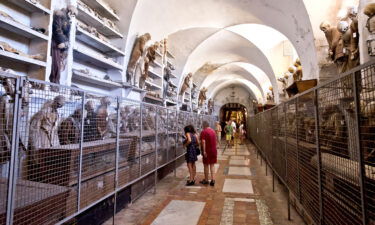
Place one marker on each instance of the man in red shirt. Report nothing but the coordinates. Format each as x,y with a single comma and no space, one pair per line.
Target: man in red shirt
209,152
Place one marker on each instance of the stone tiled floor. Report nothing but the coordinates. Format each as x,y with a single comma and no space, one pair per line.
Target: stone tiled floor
257,205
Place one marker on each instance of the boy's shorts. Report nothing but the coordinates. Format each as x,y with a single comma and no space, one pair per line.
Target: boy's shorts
228,137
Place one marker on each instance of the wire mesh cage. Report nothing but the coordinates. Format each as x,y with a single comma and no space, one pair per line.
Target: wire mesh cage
307,151
148,140
340,181
172,134
129,141
64,150
323,147
162,137
365,81
291,147
8,89
50,131
99,149
182,122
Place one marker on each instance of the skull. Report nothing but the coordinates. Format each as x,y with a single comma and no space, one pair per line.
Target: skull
343,26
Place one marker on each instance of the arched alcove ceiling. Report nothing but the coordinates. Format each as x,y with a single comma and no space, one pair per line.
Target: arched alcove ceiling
222,48
215,87
273,44
175,15
241,70
233,76
222,94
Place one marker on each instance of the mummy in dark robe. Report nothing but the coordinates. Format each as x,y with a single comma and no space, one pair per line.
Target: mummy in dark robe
60,40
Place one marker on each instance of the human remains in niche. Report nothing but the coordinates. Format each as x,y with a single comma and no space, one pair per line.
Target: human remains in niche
167,79
333,36
105,125
202,96
137,52
370,25
145,64
60,40
90,133
284,82
6,117
43,132
186,84
210,106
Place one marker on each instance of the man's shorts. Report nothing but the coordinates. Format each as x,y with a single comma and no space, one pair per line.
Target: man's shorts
229,137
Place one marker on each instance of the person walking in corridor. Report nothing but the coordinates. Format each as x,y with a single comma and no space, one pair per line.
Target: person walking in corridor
228,129
209,152
218,130
191,143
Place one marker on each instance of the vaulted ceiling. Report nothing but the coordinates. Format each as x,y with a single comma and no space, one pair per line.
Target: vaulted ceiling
243,43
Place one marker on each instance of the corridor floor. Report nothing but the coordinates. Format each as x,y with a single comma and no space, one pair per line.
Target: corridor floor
242,195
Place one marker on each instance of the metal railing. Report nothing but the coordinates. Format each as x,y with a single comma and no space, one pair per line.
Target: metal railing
321,144
64,150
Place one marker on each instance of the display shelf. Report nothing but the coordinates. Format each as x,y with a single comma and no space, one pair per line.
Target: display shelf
152,85
169,63
170,102
4,55
95,42
94,80
169,54
173,85
159,53
31,7
153,98
103,9
94,21
154,75
156,64
95,60
21,29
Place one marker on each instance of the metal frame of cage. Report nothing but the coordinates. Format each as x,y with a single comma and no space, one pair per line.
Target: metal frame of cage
322,148
43,184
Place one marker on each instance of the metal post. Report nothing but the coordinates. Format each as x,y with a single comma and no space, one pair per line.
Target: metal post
289,217
285,147
81,151
168,147
175,150
297,150
319,166
117,157
156,151
13,168
359,145
140,140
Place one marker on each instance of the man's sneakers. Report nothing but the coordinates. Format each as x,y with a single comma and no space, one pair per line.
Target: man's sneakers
212,183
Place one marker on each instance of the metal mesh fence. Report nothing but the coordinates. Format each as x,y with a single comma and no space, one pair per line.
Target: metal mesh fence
7,115
63,150
307,149
365,81
323,147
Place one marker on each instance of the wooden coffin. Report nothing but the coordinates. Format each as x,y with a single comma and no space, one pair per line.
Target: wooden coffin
59,165
301,86
34,203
